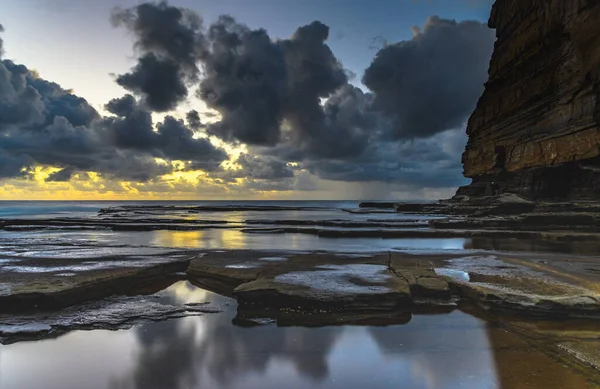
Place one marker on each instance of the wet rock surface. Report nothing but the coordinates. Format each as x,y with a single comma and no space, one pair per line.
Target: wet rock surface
113,313
37,283
403,282
291,288
530,284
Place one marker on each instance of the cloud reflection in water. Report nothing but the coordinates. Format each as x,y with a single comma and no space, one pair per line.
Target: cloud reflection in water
430,352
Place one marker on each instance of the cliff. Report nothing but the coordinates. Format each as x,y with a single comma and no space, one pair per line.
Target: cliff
536,128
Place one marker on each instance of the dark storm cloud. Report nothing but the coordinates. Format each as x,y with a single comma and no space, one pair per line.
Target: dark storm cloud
245,79
171,42
290,99
133,129
431,83
28,101
158,80
345,127
287,100
63,145
11,166
43,124
20,103
263,168
433,162
172,32
313,73
122,106
193,120
257,84
175,141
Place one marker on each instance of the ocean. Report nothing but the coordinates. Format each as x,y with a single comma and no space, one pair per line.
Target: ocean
297,225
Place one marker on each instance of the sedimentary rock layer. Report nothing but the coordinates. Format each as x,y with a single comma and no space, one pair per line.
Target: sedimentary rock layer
536,128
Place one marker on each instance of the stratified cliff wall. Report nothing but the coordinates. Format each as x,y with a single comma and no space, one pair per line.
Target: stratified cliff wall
536,128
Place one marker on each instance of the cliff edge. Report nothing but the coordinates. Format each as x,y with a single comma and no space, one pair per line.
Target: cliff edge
536,128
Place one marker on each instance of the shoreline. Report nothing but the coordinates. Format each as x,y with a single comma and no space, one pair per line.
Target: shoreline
53,285
526,296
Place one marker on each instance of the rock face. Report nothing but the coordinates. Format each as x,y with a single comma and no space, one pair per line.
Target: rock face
536,128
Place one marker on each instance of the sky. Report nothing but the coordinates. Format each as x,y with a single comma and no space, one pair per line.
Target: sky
238,99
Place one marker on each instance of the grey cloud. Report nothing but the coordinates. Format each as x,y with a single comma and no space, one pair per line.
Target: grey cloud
20,103
258,168
158,80
314,73
431,83
286,184
170,41
433,162
347,124
172,32
175,141
43,124
27,101
124,164
193,120
133,129
122,106
258,84
269,95
262,168
245,79
61,103
288,100
12,166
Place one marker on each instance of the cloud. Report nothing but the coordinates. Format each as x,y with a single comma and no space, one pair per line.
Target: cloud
269,92
431,83
20,103
11,166
193,120
170,41
158,80
290,100
175,141
433,162
244,80
1,42
62,175
43,124
261,168
288,103
133,128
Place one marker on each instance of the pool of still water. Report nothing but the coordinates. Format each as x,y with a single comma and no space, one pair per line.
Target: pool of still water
448,351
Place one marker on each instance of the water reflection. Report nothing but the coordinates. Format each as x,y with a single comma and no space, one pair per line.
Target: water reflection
234,239
576,247
430,352
216,238
187,239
